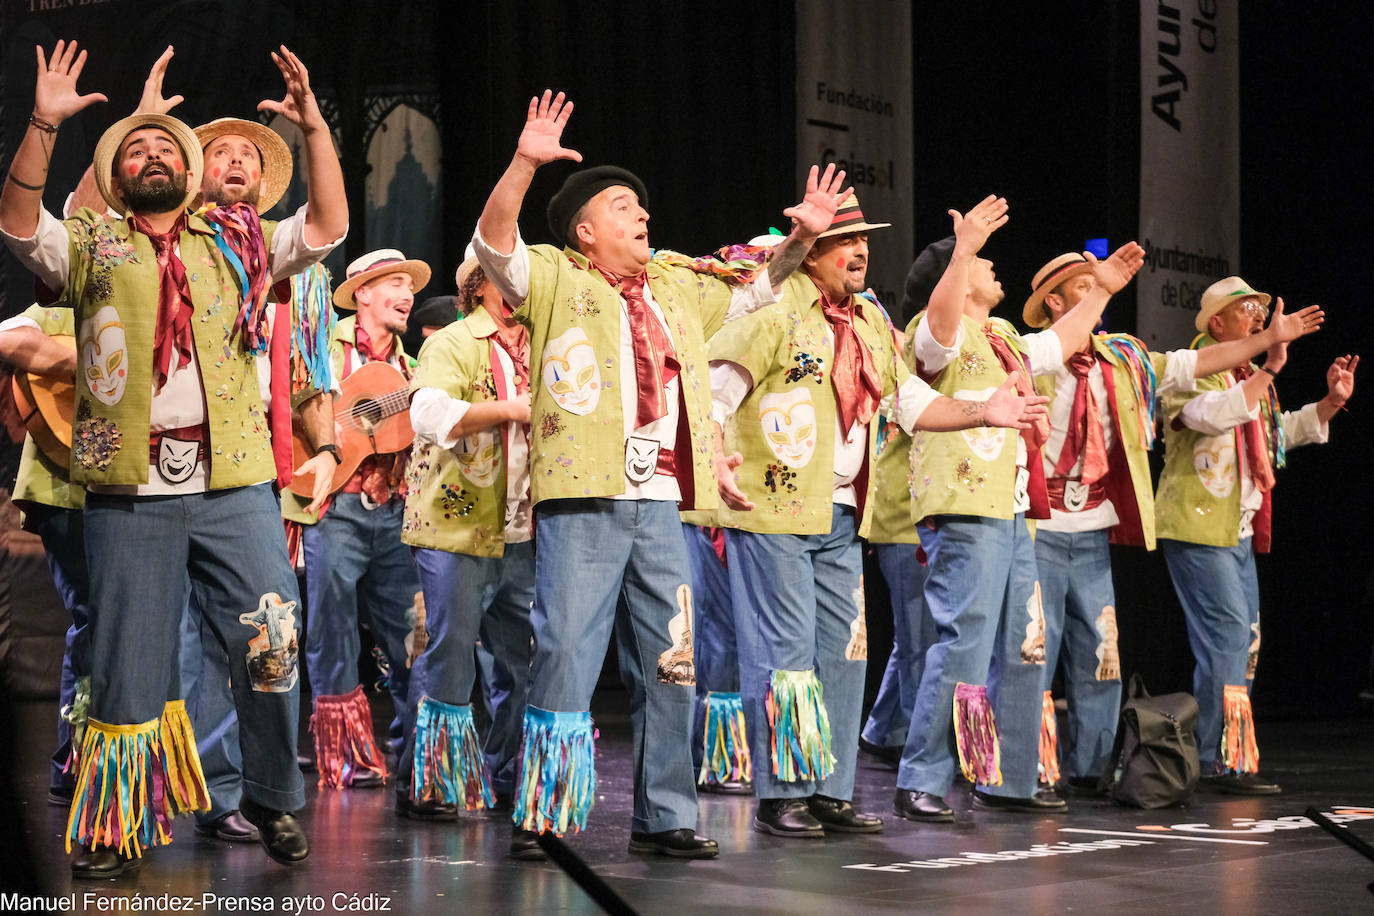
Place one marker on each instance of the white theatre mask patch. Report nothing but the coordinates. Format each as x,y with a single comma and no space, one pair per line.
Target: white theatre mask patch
570,373
176,458
788,420
104,355
476,456
641,458
986,442
1214,459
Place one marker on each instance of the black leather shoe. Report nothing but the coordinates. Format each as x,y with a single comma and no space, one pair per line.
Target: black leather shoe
1081,787
102,862
881,757
921,806
305,764
425,810
733,787
835,814
280,833
503,804
524,844
787,817
683,843
1046,801
364,779
232,828
1237,784
60,798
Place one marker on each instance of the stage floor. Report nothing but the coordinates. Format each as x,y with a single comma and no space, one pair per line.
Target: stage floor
1219,855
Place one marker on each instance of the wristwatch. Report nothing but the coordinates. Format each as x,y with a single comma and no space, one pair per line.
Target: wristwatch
332,449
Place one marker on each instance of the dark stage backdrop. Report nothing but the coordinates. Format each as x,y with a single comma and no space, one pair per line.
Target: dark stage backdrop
1035,102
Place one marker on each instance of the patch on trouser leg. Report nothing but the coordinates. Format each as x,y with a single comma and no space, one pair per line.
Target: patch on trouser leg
975,734
1108,653
448,764
557,772
418,637
182,776
1033,646
1252,659
1239,750
725,746
75,717
272,664
798,727
1049,742
344,744
118,799
675,666
857,648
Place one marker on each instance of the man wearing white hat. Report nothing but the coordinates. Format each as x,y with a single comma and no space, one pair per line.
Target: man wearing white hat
1098,476
168,405
1223,443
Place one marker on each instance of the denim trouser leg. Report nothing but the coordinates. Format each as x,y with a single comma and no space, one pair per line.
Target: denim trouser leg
713,629
389,585
591,554
797,601
139,551
210,704
1219,591
64,543
1081,633
913,631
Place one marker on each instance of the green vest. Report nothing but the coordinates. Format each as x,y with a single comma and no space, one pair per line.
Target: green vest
39,480
892,522
785,427
113,289
577,439
456,498
971,471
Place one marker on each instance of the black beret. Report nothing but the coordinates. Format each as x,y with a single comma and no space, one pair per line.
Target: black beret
926,271
434,312
582,186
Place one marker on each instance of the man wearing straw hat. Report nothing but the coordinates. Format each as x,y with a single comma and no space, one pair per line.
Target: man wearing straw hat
1097,471
1222,444
170,318
802,381
353,545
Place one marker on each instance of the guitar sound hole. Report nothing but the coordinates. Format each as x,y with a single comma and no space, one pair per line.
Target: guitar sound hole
368,412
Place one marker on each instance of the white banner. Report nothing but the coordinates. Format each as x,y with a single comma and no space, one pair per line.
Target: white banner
1189,161
854,109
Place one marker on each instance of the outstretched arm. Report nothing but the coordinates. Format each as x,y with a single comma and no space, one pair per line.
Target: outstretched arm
810,218
971,232
539,144
1282,329
326,210
1111,275
1004,408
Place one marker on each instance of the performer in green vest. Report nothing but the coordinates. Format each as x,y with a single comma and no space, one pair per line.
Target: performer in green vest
1222,444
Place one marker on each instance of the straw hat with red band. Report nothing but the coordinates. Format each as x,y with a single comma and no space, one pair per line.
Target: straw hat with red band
849,218
375,265
1046,281
272,150
108,148
1221,294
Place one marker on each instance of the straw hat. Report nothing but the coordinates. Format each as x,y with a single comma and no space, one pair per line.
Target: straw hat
849,218
276,155
1221,294
375,264
1046,281
113,139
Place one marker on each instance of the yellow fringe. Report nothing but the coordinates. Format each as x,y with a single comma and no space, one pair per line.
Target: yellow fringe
186,790
126,790
1239,749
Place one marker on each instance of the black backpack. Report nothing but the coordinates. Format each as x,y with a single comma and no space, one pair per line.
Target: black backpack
1154,760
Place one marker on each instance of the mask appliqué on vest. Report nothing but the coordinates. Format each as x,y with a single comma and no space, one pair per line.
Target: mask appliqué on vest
95,440
1033,646
570,373
641,458
1108,654
476,456
176,458
104,355
675,666
272,653
789,426
1214,459
986,442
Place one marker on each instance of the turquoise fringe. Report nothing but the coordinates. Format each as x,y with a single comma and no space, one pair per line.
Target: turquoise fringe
448,764
800,727
557,772
313,325
725,756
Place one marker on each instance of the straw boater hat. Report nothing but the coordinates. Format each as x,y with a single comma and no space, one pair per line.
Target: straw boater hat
375,264
849,218
1046,281
113,138
1221,294
275,154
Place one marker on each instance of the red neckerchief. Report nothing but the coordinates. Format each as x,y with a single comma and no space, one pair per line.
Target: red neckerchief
1083,436
174,306
858,389
655,361
1015,366
1256,449
516,342
368,349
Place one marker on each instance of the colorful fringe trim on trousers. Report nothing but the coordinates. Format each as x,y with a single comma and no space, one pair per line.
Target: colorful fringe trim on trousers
448,764
975,733
344,745
1049,742
799,727
1239,750
725,756
557,772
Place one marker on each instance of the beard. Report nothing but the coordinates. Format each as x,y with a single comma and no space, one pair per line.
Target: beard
142,196
226,195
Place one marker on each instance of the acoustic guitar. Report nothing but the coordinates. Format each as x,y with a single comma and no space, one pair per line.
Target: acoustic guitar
371,416
47,403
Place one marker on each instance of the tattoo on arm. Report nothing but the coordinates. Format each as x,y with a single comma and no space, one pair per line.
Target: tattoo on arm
787,257
974,409
26,187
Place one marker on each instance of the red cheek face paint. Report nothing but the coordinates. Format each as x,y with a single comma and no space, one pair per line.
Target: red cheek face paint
255,176
620,233
216,171
131,169
839,262
176,164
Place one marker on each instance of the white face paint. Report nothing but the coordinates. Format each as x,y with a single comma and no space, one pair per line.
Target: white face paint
789,426
104,355
477,456
570,373
176,458
641,458
985,442
1215,461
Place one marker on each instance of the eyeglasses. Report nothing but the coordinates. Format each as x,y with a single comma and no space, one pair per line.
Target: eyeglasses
1251,309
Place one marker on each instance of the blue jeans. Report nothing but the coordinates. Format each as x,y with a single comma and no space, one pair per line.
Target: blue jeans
913,631
354,551
798,607
1219,591
981,593
622,564
210,704
713,629
1080,616
139,552
466,596
64,543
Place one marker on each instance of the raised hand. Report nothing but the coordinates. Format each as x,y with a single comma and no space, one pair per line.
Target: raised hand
1286,327
540,141
1008,409
972,229
54,96
152,102
1116,271
299,105
823,197
1340,379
